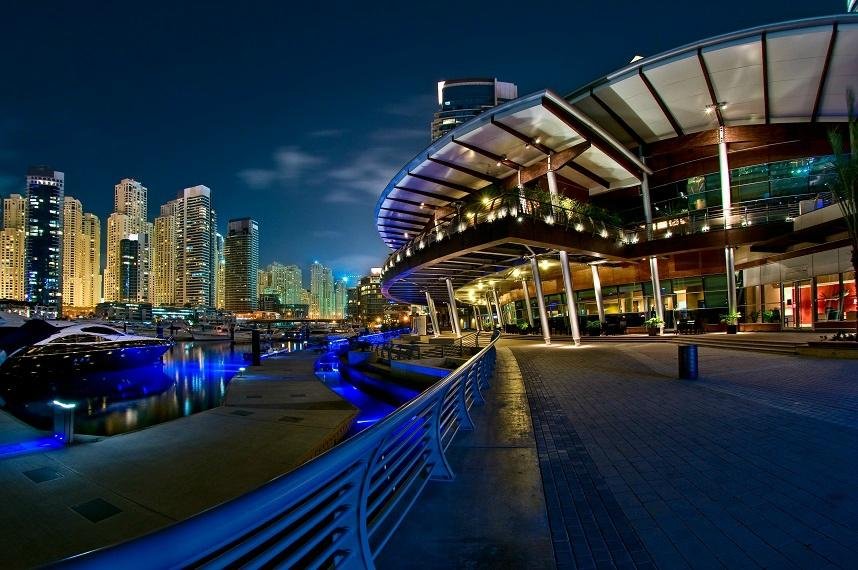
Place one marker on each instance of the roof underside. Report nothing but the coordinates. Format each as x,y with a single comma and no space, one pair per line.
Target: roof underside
492,148
792,72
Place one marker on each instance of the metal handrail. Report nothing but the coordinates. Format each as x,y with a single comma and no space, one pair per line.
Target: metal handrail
337,510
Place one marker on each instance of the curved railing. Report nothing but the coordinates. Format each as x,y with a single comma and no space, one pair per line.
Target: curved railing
338,510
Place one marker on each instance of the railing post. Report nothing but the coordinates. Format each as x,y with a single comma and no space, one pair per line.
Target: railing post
441,470
465,421
475,390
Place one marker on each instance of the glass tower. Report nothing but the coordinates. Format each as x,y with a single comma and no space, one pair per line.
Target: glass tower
44,241
460,100
241,254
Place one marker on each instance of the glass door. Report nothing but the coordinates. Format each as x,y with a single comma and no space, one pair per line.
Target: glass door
797,305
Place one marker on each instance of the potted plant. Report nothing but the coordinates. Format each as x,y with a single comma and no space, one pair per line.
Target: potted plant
594,328
653,325
523,327
732,320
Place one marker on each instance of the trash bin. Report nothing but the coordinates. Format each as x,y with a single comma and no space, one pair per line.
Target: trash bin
688,361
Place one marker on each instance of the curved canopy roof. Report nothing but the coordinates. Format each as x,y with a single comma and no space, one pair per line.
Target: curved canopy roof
796,71
494,147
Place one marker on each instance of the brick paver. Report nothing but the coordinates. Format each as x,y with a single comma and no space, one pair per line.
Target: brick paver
752,466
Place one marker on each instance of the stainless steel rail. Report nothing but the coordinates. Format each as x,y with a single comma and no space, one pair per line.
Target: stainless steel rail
338,510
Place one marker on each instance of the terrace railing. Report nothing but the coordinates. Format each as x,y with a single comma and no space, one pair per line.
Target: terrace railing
338,510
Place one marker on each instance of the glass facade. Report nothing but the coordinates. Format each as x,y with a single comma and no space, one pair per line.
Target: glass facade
824,301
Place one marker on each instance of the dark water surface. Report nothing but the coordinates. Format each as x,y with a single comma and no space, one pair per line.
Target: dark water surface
192,378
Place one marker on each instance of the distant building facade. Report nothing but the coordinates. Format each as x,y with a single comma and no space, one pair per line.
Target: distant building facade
44,227
321,291
241,254
129,218
81,255
12,248
194,224
460,100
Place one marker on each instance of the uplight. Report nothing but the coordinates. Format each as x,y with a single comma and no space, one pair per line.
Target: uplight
579,227
64,405
604,233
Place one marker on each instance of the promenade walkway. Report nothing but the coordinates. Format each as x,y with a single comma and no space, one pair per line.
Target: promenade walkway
752,466
64,502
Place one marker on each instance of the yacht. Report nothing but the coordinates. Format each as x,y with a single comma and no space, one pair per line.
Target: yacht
46,349
211,333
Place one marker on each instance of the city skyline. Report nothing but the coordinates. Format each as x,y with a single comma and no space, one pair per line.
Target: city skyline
239,132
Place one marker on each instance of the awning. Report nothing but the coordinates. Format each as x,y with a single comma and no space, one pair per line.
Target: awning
494,147
796,71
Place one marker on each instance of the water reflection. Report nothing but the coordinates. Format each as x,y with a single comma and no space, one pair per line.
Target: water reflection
192,378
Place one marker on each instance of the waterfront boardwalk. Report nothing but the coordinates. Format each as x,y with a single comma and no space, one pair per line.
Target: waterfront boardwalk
60,503
610,461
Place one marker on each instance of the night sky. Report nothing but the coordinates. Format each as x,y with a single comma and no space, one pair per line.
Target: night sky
296,114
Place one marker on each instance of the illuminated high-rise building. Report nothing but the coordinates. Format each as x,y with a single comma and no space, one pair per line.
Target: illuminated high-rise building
163,270
89,260
130,206
340,298
194,223
241,252
43,261
460,100
129,269
220,272
321,291
81,255
12,248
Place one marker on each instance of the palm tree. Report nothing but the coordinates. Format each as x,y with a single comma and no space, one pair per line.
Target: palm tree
845,187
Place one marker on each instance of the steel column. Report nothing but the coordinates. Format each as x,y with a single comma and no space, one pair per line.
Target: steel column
656,287
454,313
498,307
724,171
432,313
731,279
570,297
527,306
597,288
540,300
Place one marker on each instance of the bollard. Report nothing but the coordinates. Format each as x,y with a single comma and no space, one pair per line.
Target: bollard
688,361
255,347
64,421
159,331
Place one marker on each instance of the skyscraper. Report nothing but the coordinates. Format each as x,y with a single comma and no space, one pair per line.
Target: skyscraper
163,274
89,260
81,255
12,248
130,204
194,223
220,272
460,100
43,258
241,253
321,291
129,269
340,298
293,285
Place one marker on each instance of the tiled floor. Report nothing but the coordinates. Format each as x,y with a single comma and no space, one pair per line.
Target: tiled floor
754,465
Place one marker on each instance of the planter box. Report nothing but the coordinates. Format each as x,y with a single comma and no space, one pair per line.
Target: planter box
635,330
714,327
760,327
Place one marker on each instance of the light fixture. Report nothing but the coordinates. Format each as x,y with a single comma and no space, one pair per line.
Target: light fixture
579,227
422,205
705,228
498,163
604,233
668,234
405,234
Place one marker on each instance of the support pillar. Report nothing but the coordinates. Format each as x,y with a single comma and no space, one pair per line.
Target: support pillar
498,307
724,171
570,298
597,288
540,300
656,287
454,313
430,305
490,310
731,280
528,309
552,185
477,317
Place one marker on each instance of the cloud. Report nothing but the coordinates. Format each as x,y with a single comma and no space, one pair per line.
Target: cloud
290,163
397,135
420,106
369,170
341,197
327,133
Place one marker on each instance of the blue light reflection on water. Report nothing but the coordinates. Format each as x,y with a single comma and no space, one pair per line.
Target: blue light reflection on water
192,378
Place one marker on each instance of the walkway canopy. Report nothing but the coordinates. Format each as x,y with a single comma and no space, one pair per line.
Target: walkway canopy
792,72
504,146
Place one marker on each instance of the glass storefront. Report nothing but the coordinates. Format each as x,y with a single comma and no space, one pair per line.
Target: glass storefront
822,302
